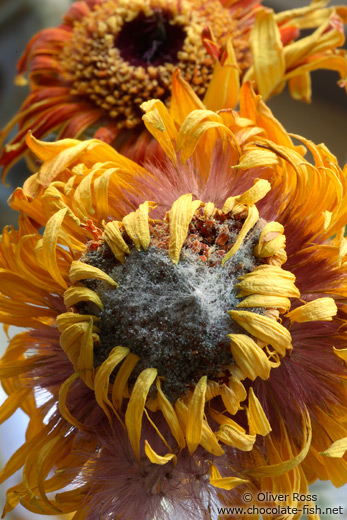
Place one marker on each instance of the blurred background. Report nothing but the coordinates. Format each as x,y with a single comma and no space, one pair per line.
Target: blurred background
325,120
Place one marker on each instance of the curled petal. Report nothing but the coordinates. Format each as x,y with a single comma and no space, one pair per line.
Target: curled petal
136,225
265,329
136,405
249,357
75,295
236,437
180,215
228,483
158,459
252,218
115,241
102,378
81,271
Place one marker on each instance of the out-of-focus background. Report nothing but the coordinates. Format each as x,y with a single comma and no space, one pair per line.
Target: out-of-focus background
325,120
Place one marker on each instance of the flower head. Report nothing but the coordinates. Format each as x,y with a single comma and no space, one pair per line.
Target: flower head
92,72
186,319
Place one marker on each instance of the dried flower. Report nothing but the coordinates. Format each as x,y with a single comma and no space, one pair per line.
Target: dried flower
92,72
186,320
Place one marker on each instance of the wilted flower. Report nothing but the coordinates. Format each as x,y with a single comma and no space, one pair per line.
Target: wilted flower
186,320
92,72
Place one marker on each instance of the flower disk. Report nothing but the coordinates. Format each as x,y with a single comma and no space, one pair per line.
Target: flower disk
174,317
122,54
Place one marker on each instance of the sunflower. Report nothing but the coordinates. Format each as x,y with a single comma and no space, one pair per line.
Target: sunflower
90,74
185,320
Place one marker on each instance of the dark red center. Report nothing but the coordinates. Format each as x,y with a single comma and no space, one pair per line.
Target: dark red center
150,40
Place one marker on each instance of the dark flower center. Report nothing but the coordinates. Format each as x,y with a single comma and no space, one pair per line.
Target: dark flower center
174,317
150,40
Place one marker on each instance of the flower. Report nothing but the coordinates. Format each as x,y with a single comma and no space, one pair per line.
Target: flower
186,320
90,74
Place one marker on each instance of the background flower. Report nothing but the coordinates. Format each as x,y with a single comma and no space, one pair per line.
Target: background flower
87,76
217,157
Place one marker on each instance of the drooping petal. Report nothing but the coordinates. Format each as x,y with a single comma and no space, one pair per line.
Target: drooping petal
257,420
180,216
195,415
227,483
135,408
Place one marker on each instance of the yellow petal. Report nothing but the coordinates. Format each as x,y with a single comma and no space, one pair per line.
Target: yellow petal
260,300
270,227
184,100
228,483
257,420
257,192
75,295
209,210
196,410
18,458
220,418
257,158
134,412
13,402
59,155
102,192
63,391
155,458
46,151
232,395
224,86
213,389
233,436
44,464
70,318
341,353
180,215
208,438
70,339
317,42
321,309
102,378
271,247
83,197
265,329
252,218
81,271
274,470
137,227
85,360
114,239
268,53
49,244
327,219
170,416
159,123
120,383
249,357
300,86
337,449
194,128
268,280
229,204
